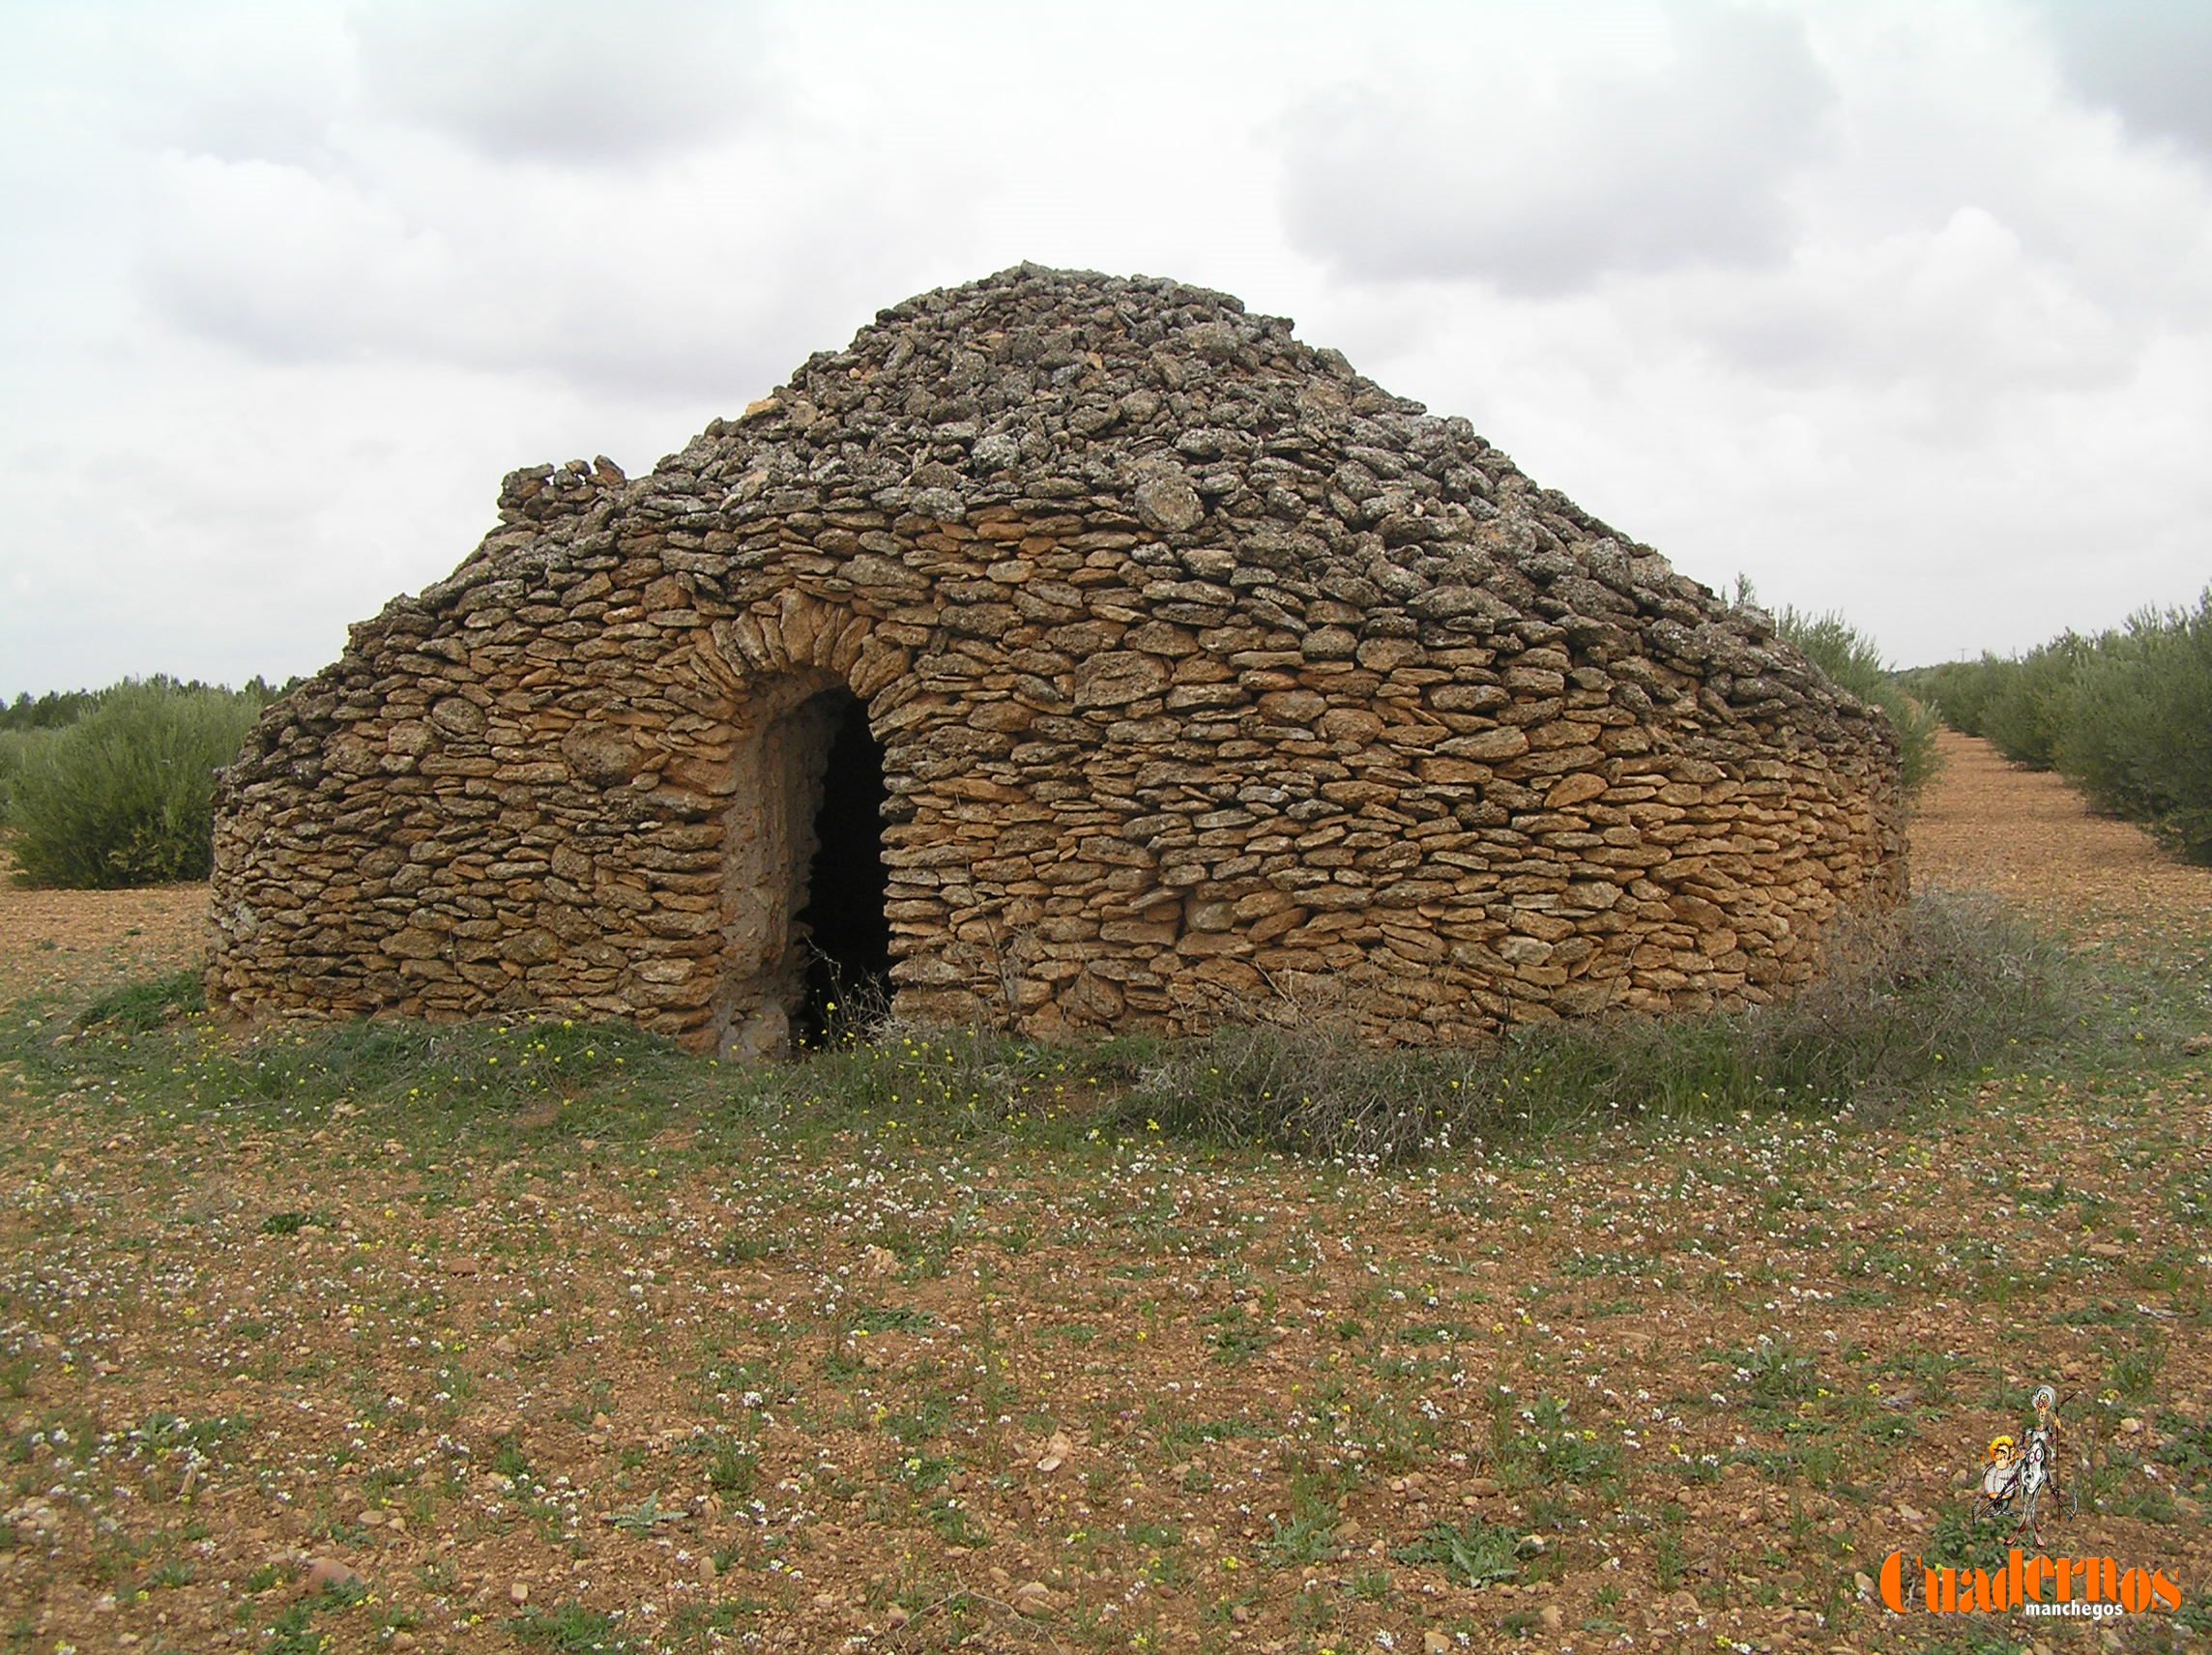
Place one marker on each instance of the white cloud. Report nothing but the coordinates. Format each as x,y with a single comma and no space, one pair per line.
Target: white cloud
1639,141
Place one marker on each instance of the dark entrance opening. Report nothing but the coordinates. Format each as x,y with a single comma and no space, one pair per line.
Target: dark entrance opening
848,938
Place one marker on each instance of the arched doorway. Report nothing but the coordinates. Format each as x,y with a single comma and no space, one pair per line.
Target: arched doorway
803,875
843,928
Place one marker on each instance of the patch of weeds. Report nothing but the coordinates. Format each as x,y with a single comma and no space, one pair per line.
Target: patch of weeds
2104,1313
1548,1451
598,1397
743,1247
2117,1486
955,1526
427,1083
2186,1445
570,1629
1666,1553
1305,1536
135,1008
1182,1433
890,1318
1928,1371
732,1469
2135,1373
1370,1585
1959,1542
293,1633
1947,987
929,1418
937,1086
509,1461
1236,1336
1776,1376
923,1473
699,1622
1476,1554
921,1256
1974,1640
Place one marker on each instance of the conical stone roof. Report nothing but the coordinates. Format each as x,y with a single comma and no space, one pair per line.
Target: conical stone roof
1213,681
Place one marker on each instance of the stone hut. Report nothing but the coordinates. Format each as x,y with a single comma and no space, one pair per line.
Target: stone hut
1069,653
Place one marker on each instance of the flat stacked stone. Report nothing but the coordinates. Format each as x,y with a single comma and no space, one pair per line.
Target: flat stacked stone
1213,682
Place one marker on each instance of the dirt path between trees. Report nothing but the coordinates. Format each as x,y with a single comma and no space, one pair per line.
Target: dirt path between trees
1987,823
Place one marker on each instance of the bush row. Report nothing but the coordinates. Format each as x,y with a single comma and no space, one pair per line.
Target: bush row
2125,715
1853,662
124,795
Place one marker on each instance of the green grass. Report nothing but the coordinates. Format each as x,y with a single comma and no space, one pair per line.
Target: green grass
1950,990
140,1008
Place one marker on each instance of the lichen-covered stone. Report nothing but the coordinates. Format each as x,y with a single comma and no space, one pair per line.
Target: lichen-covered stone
1213,681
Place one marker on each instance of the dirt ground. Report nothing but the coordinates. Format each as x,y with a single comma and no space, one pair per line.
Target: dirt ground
316,1385
69,940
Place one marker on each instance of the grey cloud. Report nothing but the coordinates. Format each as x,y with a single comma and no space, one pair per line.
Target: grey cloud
1679,163
2150,61
568,81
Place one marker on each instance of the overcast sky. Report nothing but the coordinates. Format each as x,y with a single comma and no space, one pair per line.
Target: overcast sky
1903,310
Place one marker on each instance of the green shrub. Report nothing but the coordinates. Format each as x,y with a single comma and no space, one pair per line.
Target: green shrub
2023,717
15,748
125,795
2135,730
1853,662
1960,692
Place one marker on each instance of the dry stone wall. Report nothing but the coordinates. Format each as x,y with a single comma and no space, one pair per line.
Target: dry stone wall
1213,681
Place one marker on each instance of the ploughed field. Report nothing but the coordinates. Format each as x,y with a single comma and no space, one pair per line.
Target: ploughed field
547,1356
